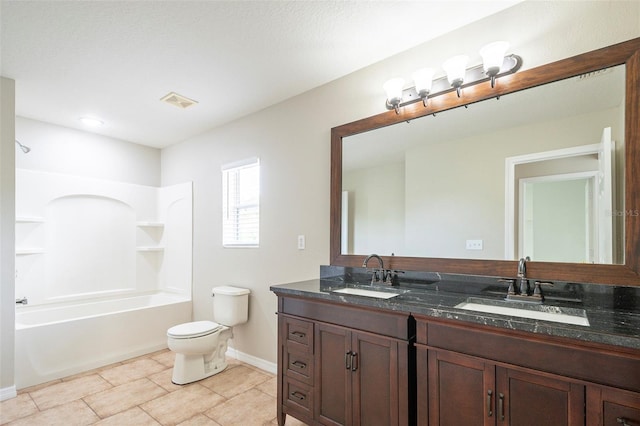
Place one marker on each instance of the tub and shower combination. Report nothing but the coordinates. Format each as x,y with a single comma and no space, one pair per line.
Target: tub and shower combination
106,269
62,339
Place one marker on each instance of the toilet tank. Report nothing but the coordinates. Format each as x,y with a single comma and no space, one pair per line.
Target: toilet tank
230,305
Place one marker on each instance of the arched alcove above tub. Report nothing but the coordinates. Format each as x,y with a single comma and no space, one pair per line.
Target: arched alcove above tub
90,247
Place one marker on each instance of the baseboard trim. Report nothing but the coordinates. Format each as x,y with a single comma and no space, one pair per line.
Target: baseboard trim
8,393
252,360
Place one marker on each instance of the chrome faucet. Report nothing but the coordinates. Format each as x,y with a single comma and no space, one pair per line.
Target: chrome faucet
22,301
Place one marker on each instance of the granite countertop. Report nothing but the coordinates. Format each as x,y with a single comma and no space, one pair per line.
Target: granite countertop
612,325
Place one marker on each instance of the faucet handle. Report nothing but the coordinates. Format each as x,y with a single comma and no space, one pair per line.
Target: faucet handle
537,288
512,283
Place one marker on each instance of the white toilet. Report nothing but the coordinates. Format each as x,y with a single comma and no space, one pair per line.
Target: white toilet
200,346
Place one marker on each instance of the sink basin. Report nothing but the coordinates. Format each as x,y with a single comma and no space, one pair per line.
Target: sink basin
523,310
366,293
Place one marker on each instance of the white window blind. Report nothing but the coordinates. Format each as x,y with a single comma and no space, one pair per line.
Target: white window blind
241,204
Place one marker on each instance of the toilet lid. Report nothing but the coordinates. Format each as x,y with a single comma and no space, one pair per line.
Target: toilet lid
190,330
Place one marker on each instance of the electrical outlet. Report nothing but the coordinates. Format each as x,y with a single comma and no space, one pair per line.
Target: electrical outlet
474,244
301,242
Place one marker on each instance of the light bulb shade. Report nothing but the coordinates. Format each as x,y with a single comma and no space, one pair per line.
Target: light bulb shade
456,68
422,79
493,57
393,88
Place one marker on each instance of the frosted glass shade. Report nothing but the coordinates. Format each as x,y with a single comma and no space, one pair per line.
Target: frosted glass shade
393,89
422,80
493,56
456,68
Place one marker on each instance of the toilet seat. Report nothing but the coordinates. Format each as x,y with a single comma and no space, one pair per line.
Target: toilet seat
191,330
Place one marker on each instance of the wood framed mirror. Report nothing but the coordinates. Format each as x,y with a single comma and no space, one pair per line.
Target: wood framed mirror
625,267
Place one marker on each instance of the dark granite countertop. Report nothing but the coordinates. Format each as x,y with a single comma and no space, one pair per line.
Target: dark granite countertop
610,322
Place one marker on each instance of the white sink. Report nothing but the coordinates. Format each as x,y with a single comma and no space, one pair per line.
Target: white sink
366,293
540,312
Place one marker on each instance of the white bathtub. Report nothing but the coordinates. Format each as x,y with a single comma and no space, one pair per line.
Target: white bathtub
54,341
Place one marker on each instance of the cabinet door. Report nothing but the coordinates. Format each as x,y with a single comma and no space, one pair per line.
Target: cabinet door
375,380
461,390
532,399
612,407
333,375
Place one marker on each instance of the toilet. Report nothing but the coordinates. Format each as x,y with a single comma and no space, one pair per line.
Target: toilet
200,346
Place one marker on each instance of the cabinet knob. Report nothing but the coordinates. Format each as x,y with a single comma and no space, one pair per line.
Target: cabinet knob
623,421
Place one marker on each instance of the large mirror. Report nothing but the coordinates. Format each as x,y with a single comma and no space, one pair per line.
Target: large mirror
537,167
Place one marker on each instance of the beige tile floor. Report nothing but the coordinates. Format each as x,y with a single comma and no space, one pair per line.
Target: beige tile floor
139,392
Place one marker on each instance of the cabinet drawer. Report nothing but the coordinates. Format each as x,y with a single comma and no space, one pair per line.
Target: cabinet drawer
618,415
299,335
299,366
298,397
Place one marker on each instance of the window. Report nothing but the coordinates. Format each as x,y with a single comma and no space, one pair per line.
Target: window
241,204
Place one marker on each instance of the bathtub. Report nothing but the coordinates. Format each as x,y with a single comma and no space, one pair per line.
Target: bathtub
58,340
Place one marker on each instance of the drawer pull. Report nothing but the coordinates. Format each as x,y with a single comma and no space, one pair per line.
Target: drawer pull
501,406
299,364
347,360
489,395
298,395
622,421
299,334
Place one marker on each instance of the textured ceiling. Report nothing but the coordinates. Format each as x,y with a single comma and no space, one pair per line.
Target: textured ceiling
116,59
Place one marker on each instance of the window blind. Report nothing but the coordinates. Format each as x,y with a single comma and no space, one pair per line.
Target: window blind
241,204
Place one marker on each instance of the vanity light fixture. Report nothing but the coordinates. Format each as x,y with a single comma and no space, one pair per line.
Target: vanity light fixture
492,59
456,69
393,88
423,79
494,65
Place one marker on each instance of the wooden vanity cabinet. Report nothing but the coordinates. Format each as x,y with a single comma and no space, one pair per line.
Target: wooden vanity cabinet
356,364
612,407
472,391
475,375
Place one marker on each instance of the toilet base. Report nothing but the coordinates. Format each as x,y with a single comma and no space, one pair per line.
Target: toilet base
189,368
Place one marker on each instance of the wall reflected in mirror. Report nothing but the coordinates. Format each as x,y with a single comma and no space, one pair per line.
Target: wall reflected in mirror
449,186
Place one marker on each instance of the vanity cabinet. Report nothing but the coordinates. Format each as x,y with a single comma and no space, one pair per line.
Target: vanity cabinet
612,407
343,365
357,377
482,376
473,391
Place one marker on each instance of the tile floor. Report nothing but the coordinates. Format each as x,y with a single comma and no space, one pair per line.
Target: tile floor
139,392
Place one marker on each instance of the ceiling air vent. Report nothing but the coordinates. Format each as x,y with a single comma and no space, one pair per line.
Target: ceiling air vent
178,100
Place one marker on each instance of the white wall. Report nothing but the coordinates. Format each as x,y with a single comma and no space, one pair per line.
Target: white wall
62,150
7,237
292,140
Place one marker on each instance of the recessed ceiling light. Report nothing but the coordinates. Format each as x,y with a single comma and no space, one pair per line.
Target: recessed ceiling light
91,121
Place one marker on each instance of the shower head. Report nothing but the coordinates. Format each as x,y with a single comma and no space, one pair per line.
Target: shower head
24,148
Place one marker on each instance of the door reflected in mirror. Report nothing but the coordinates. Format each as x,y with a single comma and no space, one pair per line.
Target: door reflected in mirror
441,186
